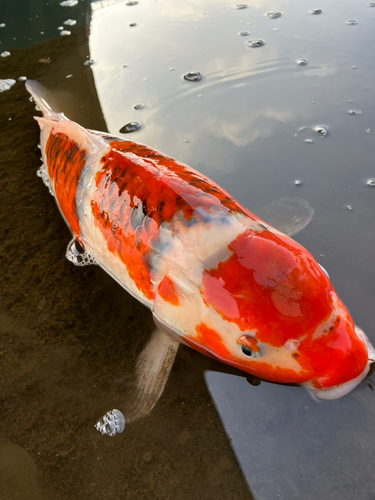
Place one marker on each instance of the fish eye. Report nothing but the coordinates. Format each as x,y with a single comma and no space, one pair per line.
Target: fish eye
250,346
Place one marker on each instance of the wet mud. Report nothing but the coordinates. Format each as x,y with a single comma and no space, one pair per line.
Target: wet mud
69,338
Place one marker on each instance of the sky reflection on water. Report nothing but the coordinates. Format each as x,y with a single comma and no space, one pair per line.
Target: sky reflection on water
249,124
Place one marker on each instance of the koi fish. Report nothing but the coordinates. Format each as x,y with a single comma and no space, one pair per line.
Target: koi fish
216,277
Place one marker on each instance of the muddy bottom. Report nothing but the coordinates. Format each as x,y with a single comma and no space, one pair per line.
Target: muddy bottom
69,338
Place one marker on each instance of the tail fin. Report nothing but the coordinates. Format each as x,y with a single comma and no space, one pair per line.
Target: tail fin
44,99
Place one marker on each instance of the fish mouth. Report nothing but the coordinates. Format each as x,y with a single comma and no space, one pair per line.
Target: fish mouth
341,390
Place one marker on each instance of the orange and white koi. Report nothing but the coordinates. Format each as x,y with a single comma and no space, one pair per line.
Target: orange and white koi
216,277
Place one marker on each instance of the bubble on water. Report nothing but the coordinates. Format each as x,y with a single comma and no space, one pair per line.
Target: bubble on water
273,15
68,76
131,2
22,78
132,25
60,28
76,254
90,62
316,11
354,112
302,62
37,108
351,21
110,424
297,182
5,54
2,25
368,131
349,207
6,84
69,3
371,182
309,141
31,99
70,22
130,127
138,106
240,6
321,130
42,173
193,76
255,42
244,33
371,4
65,33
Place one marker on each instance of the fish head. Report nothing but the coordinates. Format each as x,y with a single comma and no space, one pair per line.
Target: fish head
272,312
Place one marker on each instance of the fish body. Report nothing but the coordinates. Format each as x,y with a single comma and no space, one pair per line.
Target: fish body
216,277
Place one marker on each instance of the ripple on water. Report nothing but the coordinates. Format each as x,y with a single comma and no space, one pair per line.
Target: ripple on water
130,127
193,76
255,42
305,133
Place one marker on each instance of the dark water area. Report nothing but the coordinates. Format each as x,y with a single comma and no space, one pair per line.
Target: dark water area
70,337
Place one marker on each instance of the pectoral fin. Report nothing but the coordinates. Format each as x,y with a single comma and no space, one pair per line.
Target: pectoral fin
153,367
288,215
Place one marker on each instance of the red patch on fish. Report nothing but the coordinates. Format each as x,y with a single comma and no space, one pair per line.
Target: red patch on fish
157,187
167,291
339,347
270,284
65,161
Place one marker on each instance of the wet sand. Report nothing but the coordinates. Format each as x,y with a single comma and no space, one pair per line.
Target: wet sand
69,338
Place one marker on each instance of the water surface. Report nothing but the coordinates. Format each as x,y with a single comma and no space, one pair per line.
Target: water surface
70,337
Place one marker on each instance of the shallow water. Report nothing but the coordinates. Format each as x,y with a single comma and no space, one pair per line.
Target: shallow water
70,337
